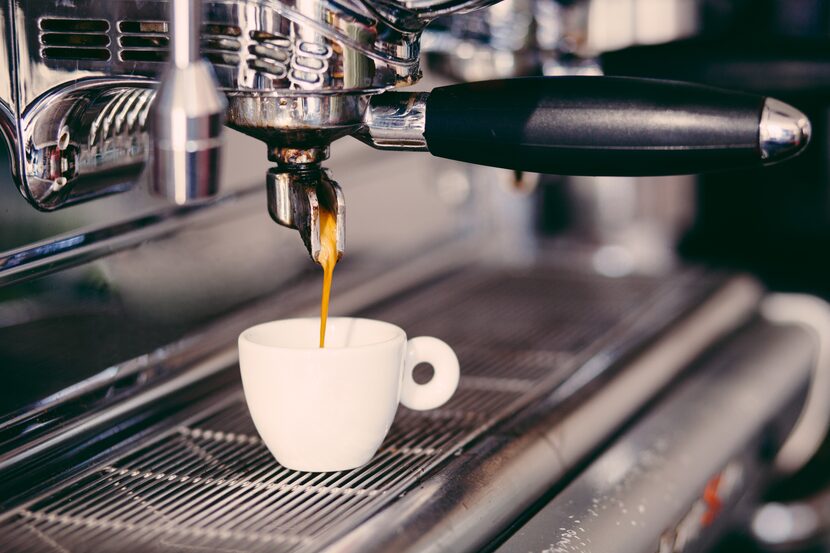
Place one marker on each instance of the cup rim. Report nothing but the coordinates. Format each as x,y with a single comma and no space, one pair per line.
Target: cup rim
399,333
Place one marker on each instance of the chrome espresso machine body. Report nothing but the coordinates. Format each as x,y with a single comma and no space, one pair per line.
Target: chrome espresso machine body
300,76
591,406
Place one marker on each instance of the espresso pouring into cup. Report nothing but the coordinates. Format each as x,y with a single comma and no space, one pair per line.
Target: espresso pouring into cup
329,409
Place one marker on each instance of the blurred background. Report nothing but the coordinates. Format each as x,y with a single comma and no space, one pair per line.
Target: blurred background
101,301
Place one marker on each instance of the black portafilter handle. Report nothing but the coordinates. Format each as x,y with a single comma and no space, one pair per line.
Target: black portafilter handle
609,126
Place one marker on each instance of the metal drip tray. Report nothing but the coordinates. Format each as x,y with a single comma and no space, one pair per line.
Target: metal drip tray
214,485
211,484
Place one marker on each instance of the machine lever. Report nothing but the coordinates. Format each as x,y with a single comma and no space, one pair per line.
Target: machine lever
609,126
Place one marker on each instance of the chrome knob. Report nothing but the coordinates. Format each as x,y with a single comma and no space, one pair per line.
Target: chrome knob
783,132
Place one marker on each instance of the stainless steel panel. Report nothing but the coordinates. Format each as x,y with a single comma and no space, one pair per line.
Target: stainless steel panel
210,484
648,492
297,75
483,490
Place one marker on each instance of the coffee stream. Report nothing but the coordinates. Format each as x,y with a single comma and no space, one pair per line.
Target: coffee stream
327,259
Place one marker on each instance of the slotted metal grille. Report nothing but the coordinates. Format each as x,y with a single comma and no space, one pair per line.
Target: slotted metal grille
212,485
215,485
149,41
78,39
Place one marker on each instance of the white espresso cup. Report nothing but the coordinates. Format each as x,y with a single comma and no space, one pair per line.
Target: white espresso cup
328,409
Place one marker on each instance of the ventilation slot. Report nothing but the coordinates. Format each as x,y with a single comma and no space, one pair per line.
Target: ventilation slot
74,25
143,27
271,54
74,39
220,44
222,30
149,41
144,41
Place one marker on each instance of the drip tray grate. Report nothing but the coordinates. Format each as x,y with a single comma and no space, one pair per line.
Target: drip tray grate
216,481
213,486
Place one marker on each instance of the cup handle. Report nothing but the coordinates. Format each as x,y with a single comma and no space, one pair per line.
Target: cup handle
436,392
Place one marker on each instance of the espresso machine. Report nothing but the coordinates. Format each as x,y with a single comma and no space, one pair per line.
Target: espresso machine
599,409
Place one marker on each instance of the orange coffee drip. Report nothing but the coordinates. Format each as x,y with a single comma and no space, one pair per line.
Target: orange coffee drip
327,259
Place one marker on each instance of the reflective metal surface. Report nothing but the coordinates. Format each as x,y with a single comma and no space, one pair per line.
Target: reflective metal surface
495,43
187,124
85,140
295,199
71,249
636,222
209,482
485,489
296,120
298,75
173,364
396,121
784,131
123,427
551,37
668,483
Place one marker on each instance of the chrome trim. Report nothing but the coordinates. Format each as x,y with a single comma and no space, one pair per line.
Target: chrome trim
187,128
91,133
396,121
185,31
784,131
297,120
483,490
294,201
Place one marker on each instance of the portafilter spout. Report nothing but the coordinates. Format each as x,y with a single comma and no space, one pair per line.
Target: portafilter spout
299,188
